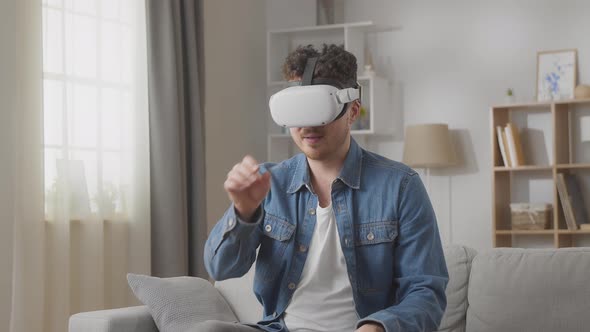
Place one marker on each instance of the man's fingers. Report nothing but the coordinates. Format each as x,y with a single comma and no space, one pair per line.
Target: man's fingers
230,185
250,162
240,181
244,173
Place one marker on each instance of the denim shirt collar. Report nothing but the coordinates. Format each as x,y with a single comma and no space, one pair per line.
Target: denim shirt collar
350,174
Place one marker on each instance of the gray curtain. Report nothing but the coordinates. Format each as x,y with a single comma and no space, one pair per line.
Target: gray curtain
177,165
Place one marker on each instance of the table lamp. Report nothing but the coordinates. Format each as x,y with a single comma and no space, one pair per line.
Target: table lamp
429,146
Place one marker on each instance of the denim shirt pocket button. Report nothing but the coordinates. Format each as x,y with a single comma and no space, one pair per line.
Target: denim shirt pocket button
268,228
375,232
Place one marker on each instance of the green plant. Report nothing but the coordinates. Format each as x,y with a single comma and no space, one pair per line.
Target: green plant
51,199
509,92
51,191
107,198
363,111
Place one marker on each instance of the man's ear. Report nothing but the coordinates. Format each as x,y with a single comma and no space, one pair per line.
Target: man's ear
354,111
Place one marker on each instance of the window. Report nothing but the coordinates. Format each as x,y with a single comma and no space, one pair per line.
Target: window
91,91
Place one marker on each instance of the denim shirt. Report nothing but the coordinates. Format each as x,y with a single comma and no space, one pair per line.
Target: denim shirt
387,230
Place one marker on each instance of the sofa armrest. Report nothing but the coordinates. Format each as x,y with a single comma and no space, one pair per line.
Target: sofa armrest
130,319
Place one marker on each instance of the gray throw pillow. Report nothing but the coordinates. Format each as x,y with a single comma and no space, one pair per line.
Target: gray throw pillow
177,304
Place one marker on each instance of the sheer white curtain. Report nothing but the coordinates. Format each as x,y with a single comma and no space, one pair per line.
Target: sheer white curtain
82,184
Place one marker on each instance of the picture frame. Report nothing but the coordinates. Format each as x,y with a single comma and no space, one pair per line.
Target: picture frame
556,74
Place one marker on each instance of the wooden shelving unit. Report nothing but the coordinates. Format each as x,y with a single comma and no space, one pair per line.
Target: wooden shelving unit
553,128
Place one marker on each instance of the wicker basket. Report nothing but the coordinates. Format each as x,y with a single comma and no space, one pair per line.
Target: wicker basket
528,216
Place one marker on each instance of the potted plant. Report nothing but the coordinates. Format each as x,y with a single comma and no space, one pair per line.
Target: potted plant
509,96
51,200
107,199
362,122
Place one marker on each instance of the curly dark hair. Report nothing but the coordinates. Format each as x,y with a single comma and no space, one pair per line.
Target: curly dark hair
334,62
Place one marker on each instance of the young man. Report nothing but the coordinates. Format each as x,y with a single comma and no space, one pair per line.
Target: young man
347,239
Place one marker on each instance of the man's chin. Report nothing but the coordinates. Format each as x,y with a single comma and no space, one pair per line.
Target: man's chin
314,154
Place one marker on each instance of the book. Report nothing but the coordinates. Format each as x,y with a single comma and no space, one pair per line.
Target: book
505,141
515,137
511,147
501,144
576,199
566,203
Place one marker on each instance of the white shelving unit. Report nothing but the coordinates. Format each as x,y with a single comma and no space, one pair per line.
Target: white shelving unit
375,90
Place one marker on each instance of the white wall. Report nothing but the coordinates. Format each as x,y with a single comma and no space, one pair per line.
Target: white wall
7,98
453,60
235,103
450,61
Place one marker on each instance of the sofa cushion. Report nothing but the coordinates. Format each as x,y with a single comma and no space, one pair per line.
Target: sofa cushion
239,294
177,304
130,319
530,290
458,259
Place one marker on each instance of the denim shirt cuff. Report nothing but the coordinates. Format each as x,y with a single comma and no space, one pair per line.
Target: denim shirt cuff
370,319
239,228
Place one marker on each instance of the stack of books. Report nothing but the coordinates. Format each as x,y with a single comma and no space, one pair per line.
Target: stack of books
510,145
572,202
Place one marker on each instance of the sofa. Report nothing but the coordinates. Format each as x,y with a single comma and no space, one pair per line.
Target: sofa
503,289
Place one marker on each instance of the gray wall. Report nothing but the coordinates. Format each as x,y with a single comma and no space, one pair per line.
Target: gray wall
235,92
449,62
453,60
7,104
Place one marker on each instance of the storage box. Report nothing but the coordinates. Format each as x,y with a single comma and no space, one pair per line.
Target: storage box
530,216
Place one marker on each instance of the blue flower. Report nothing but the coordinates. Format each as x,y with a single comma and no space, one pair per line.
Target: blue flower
553,80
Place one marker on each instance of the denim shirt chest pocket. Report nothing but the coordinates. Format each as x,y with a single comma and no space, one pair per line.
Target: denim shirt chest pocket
375,250
277,233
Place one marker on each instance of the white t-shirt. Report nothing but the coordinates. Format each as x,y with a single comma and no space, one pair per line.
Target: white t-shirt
323,300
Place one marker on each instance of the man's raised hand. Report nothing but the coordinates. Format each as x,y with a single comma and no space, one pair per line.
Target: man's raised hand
246,187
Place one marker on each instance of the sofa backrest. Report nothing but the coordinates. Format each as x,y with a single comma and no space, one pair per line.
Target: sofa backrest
458,259
530,290
239,295
238,292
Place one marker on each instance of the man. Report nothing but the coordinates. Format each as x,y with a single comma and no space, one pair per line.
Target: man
346,239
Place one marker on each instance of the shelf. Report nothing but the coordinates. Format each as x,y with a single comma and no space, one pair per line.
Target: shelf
572,101
540,168
522,168
567,231
536,104
552,133
573,166
525,232
366,26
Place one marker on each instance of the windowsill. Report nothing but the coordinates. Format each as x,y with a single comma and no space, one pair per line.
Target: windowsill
94,217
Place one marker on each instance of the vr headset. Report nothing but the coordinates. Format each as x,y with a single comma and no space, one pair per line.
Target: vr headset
311,102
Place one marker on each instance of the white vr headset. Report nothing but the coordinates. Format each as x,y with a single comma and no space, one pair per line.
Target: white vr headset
313,102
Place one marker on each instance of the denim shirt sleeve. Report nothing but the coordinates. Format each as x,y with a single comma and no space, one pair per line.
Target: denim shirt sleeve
230,249
420,268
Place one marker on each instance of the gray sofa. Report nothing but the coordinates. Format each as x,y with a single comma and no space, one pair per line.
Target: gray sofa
499,290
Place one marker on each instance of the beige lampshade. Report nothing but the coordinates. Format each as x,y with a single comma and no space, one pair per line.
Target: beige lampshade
429,146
